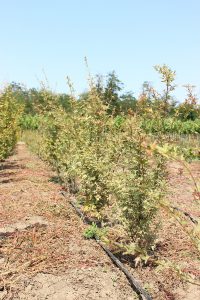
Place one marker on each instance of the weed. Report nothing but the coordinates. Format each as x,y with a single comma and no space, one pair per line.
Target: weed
93,231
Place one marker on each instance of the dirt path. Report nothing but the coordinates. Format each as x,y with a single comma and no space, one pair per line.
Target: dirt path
182,186
43,254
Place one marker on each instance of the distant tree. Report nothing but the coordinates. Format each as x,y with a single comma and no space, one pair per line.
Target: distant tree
146,99
111,93
127,103
36,100
147,90
19,91
99,85
168,78
189,109
83,96
64,101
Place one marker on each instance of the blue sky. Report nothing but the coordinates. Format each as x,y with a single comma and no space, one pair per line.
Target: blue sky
127,36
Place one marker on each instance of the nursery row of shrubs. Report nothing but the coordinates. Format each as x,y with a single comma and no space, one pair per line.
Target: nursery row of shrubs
10,112
106,160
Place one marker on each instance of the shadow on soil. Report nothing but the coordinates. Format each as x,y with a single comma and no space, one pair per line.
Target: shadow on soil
8,170
56,179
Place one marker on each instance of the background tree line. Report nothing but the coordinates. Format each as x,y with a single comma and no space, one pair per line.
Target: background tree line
149,104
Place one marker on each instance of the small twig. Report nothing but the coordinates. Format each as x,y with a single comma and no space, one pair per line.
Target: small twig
186,214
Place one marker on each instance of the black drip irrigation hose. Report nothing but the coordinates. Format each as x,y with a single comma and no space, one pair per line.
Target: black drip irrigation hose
134,284
192,219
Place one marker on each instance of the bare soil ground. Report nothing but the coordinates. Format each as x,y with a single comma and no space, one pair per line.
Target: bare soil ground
43,254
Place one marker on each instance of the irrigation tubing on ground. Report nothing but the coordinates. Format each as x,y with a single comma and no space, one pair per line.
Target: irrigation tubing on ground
88,221
134,284
186,214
